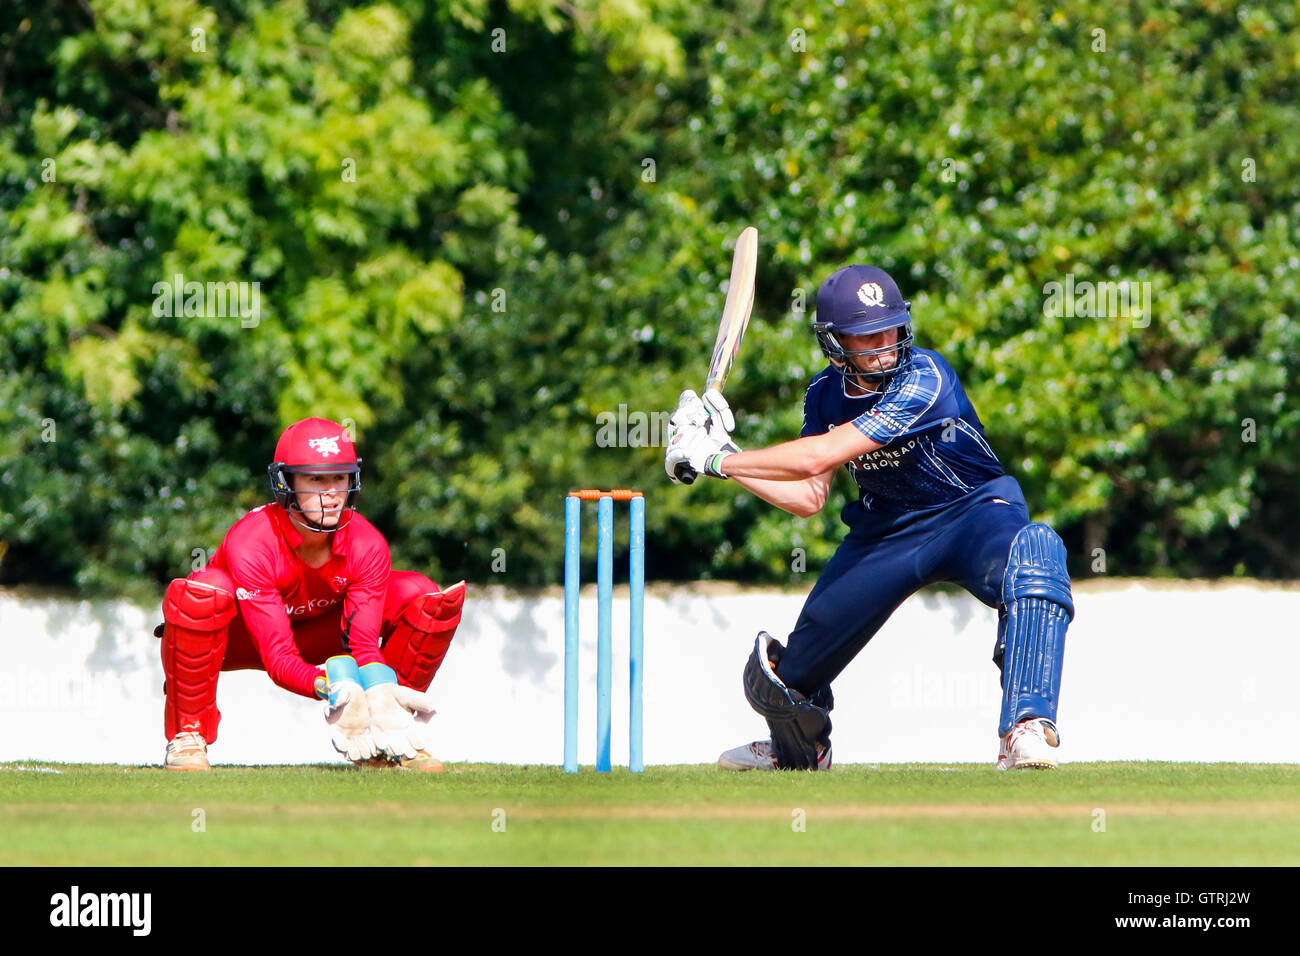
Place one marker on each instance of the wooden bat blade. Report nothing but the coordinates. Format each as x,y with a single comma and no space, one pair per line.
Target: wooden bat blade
735,319
735,313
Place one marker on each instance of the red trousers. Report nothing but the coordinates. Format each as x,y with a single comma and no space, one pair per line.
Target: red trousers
419,622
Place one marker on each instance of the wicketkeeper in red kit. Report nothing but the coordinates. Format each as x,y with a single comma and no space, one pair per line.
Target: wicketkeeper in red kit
300,583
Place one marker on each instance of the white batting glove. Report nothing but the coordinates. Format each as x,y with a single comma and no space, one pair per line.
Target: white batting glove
720,417
348,716
701,449
690,412
689,416
680,446
700,430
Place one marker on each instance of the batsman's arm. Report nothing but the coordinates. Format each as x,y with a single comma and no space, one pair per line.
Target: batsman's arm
801,459
801,498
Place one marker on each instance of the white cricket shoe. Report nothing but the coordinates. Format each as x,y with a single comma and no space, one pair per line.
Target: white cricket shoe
187,751
761,756
1029,746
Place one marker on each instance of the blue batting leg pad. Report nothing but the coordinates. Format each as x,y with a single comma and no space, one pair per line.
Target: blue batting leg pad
1039,607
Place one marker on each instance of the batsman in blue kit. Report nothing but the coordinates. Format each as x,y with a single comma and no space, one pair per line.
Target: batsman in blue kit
933,504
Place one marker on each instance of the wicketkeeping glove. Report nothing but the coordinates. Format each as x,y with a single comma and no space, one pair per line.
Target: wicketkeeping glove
398,714
346,711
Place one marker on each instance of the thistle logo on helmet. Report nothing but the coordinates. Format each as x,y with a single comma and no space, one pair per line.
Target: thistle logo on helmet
870,293
326,446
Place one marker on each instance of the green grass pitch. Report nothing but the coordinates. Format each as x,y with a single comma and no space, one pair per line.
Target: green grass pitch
1150,814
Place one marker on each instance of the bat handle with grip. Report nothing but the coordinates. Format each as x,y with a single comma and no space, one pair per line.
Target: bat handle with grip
685,473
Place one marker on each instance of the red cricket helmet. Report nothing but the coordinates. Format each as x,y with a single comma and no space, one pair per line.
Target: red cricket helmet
314,446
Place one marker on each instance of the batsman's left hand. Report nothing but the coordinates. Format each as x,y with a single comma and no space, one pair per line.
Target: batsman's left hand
689,416
712,412
690,413
699,448
698,431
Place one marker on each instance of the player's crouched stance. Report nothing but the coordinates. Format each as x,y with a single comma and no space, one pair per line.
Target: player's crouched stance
302,582
933,505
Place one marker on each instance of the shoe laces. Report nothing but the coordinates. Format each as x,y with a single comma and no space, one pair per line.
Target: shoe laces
187,741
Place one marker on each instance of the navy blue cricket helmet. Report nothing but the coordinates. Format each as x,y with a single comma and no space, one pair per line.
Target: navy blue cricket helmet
863,300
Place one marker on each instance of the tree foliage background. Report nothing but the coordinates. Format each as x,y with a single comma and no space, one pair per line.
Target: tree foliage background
536,230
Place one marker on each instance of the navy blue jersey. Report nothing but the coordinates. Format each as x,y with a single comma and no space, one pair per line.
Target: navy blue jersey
934,449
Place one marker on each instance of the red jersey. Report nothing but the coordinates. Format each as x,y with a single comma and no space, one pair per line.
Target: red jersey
274,587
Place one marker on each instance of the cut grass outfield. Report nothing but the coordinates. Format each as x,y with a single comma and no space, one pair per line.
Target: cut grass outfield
474,814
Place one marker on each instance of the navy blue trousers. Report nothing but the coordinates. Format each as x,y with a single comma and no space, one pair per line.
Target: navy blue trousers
875,569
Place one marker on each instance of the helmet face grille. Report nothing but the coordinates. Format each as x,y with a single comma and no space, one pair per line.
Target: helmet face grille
282,488
870,380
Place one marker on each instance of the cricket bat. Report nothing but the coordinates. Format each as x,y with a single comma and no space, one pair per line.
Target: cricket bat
735,319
